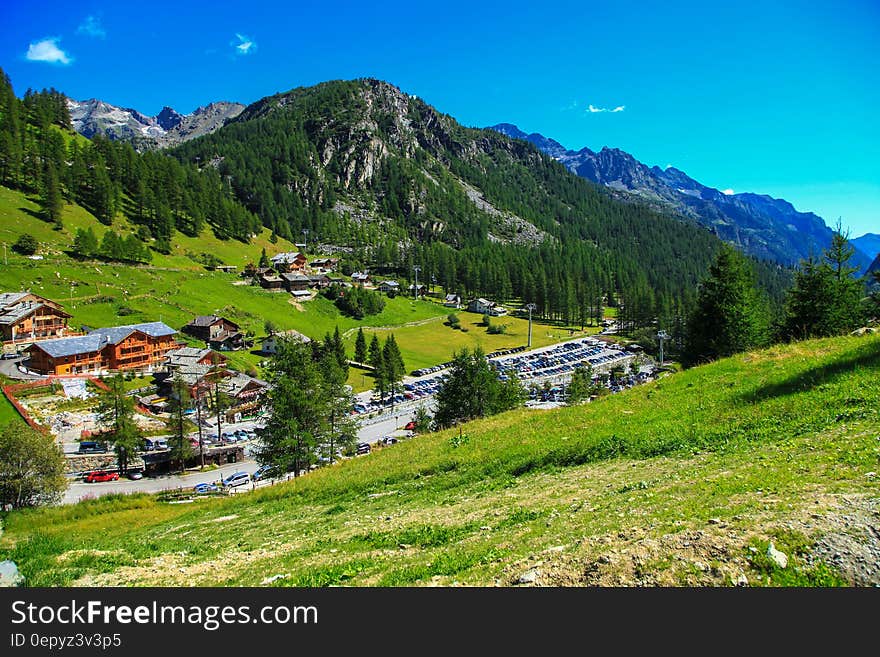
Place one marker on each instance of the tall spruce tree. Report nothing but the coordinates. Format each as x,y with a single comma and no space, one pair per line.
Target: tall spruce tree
360,347
116,415
731,315
473,390
826,298
50,195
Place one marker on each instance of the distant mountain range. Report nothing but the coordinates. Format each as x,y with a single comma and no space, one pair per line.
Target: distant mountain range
168,128
762,226
869,244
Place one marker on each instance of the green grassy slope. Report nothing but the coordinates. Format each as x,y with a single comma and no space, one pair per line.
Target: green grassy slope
682,481
175,287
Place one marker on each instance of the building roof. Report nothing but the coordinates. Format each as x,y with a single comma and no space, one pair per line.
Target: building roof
13,307
186,356
292,333
453,297
117,334
9,298
389,284
97,339
289,256
235,384
295,278
204,320
83,344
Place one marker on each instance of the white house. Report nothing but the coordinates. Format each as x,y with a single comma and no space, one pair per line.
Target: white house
486,307
452,301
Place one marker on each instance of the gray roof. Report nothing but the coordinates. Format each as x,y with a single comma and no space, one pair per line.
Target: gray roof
97,339
117,334
302,278
204,320
289,256
83,344
15,312
186,356
8,298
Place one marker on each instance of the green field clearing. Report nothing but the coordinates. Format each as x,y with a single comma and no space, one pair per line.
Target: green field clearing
670,483
434,342
8,412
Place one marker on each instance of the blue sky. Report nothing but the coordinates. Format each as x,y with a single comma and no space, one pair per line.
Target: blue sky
778,97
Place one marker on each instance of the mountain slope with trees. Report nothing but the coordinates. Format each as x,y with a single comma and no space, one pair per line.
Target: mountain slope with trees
762,226
360,162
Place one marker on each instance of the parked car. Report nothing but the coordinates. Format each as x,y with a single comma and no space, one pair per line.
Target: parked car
237,479
91,447
151,444
134,475
101,475
410,426
265,472
206,488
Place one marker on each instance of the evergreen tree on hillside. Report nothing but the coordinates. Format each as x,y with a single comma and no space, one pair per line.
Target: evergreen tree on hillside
730,316
85,243
393,366
360,347
50,196
309,409
116,416
378,364
473,390
826,299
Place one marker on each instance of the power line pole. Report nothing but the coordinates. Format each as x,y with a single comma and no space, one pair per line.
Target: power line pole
417,269
662,335
305,233
530,307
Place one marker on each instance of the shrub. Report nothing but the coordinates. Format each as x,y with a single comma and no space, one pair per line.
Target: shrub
26,244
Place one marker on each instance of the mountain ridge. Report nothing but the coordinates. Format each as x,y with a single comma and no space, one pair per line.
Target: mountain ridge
763,226
168,128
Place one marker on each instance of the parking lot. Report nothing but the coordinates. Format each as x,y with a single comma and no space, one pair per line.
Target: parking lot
556,362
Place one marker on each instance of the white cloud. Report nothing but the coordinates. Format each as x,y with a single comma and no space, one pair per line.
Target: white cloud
592,109
245,45
728,192
92,27
48,51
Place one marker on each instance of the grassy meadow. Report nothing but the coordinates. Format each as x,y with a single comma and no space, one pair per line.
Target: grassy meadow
683,481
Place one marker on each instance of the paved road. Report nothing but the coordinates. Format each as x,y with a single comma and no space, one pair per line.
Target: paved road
9,368
79,490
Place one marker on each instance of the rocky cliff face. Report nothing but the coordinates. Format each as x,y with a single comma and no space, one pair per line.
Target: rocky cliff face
768,228
168,128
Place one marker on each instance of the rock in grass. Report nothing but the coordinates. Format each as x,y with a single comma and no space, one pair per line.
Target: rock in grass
529,577
9,574
777,557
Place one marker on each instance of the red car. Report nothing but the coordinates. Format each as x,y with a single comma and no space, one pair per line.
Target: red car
410,426
101,475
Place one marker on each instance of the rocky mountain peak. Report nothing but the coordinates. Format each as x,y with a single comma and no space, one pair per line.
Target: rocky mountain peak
168,118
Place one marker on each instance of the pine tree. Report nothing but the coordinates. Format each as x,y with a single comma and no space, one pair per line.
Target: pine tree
116,415
50,196
825,299
730,316
473,390
392,365
85,243
378,365
360,347
178,405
